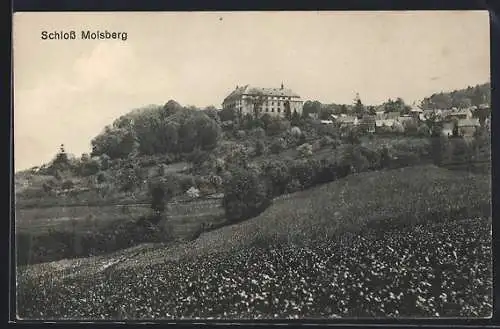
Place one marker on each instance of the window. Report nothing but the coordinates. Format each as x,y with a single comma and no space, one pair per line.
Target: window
279,110
267,110
272,110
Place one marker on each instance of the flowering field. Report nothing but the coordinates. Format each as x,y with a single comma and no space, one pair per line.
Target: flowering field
317,254
431,270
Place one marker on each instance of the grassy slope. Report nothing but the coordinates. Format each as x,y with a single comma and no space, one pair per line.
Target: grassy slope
161,274
410,193
346,204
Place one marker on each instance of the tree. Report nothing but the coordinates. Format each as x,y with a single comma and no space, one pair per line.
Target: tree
227,114
260,148
305,150
359,108
295,118
61,159
158,198
311,107
256,100
343,109
246,194
288,111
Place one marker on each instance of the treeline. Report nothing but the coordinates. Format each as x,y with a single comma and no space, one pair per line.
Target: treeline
158,130
462,98
250,188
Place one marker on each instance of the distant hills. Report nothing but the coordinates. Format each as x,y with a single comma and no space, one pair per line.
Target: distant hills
461,98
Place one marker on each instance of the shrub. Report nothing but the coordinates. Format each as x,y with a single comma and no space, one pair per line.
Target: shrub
260,148
326,141
193,192
101,178
158,194
258,132
105,161
278,174
295,131
277,126
278,145
424,130
293,186
67,185
246,194
241,134
305,150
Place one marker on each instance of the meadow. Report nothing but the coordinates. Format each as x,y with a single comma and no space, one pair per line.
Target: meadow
408,242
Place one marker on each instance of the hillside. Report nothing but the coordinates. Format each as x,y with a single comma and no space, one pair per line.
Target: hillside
461,98
424,212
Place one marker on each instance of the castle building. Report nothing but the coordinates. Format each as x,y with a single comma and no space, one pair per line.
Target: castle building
256,100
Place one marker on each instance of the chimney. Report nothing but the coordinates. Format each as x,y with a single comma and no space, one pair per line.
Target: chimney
282,85
236,86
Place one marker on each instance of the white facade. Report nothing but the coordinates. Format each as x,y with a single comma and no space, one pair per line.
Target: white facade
273,101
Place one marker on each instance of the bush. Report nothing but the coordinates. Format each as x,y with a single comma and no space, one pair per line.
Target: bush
193,192
278,145
67,185
246,194
258,132
260,148
277,126
326,141
158,194
241,134
305,150
295,131
278,174
101,178
293,186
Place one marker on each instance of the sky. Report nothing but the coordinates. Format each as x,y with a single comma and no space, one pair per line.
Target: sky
66,91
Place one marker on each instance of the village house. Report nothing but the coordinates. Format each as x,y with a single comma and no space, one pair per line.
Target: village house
386,119
272,101
467,127
435,114
368,123
347,121
459,114
406,117
416,112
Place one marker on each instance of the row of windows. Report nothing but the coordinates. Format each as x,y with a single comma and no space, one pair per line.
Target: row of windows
275,97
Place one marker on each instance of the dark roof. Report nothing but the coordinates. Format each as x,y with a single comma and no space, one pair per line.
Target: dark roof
249,90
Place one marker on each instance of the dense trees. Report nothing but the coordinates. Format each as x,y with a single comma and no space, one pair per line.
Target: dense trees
397,105
159,130
463,98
